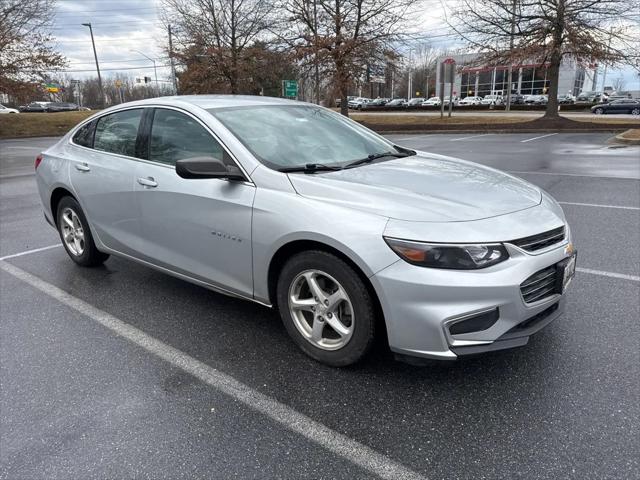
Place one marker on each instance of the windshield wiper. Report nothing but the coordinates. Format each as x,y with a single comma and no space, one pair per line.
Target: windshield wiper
405,152
310,168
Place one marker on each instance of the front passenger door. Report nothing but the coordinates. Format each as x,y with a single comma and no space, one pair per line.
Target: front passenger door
198,227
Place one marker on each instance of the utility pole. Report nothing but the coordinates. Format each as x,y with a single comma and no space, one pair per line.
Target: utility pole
173,66
409,83
604,74
95,55
510,75
315,59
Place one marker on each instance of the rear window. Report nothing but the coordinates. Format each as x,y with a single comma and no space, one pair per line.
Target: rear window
84,136
117,132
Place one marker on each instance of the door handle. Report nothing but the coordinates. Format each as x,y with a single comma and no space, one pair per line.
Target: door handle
147,182
82,167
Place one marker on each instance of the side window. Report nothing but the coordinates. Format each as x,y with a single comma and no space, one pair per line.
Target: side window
117,133
175,136
84,136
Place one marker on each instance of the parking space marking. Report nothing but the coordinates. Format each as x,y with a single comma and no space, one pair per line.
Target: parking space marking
29,252
597,205
623,276
467,138
355,452
537,138
573,175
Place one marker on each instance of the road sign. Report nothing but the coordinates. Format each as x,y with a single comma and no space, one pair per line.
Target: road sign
448,69
75,82
118,83
289,88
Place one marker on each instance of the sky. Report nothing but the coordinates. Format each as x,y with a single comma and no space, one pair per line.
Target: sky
122,26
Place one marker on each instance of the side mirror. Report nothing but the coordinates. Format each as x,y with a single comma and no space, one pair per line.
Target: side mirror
207,167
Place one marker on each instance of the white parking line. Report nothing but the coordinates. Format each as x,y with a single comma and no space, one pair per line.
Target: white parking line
473,136
573,175
355,452
623,276
28,252
599,205
536,138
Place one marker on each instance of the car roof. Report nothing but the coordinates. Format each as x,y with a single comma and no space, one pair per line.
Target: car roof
219,101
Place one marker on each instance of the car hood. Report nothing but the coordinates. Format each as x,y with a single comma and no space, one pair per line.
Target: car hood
424,187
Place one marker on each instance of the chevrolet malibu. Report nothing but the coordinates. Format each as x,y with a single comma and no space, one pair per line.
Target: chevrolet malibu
295,207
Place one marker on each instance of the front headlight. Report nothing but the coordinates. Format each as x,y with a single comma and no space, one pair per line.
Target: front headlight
451,256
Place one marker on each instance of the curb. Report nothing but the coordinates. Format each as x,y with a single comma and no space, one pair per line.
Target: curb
620,138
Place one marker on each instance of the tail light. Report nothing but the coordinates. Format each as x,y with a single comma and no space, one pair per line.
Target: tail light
38,160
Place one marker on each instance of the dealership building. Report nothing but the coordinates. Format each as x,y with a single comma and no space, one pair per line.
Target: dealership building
474,79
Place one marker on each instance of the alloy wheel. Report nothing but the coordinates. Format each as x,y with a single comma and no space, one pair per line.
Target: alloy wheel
72,232
321,310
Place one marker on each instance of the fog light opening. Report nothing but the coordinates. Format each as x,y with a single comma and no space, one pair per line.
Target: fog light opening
475,323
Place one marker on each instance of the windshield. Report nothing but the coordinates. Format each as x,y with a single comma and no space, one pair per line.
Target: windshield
285,136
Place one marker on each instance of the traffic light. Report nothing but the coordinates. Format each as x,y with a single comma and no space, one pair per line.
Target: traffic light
147,79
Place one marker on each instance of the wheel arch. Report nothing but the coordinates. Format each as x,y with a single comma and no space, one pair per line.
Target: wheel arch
294,247
58,194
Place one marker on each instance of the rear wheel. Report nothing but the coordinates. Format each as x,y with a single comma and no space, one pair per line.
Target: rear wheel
75,234
599,111
635,111
326,308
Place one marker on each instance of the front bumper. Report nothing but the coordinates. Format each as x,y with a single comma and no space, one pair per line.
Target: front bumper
420,304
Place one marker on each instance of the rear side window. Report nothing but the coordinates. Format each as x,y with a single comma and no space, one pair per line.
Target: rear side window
84,136
176,136
117,133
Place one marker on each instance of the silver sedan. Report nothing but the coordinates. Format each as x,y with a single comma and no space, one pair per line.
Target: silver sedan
297,208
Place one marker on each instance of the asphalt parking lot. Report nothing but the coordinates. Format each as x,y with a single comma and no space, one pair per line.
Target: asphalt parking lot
124,372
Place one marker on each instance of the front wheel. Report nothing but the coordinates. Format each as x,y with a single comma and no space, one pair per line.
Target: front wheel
326,308
599,111
75,234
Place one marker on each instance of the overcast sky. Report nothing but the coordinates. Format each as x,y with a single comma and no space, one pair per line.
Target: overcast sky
120,26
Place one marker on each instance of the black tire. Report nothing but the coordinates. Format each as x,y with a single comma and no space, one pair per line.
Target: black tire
364,318
90,255
599,111
635,111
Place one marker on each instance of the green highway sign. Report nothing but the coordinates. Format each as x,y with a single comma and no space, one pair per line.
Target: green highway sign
289,88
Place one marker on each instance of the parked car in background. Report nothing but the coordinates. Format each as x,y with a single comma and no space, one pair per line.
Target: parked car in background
493,100
378,102
455,101
536,100
415,102
347,235
472,100
339,100
37,107
396,102
84,109
432,102
592,97
62,107
358,103
566,99
516,99
4,109
626,105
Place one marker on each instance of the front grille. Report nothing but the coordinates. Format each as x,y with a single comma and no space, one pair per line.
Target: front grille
540,285
541,240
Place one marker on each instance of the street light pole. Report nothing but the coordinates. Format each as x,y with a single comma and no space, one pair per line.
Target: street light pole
409,86
155,71
95,55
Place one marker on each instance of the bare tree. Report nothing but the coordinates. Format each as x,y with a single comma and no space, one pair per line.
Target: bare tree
218,31
547,31
24,50
343,37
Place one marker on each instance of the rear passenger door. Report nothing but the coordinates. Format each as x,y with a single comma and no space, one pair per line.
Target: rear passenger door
102,173
198,227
